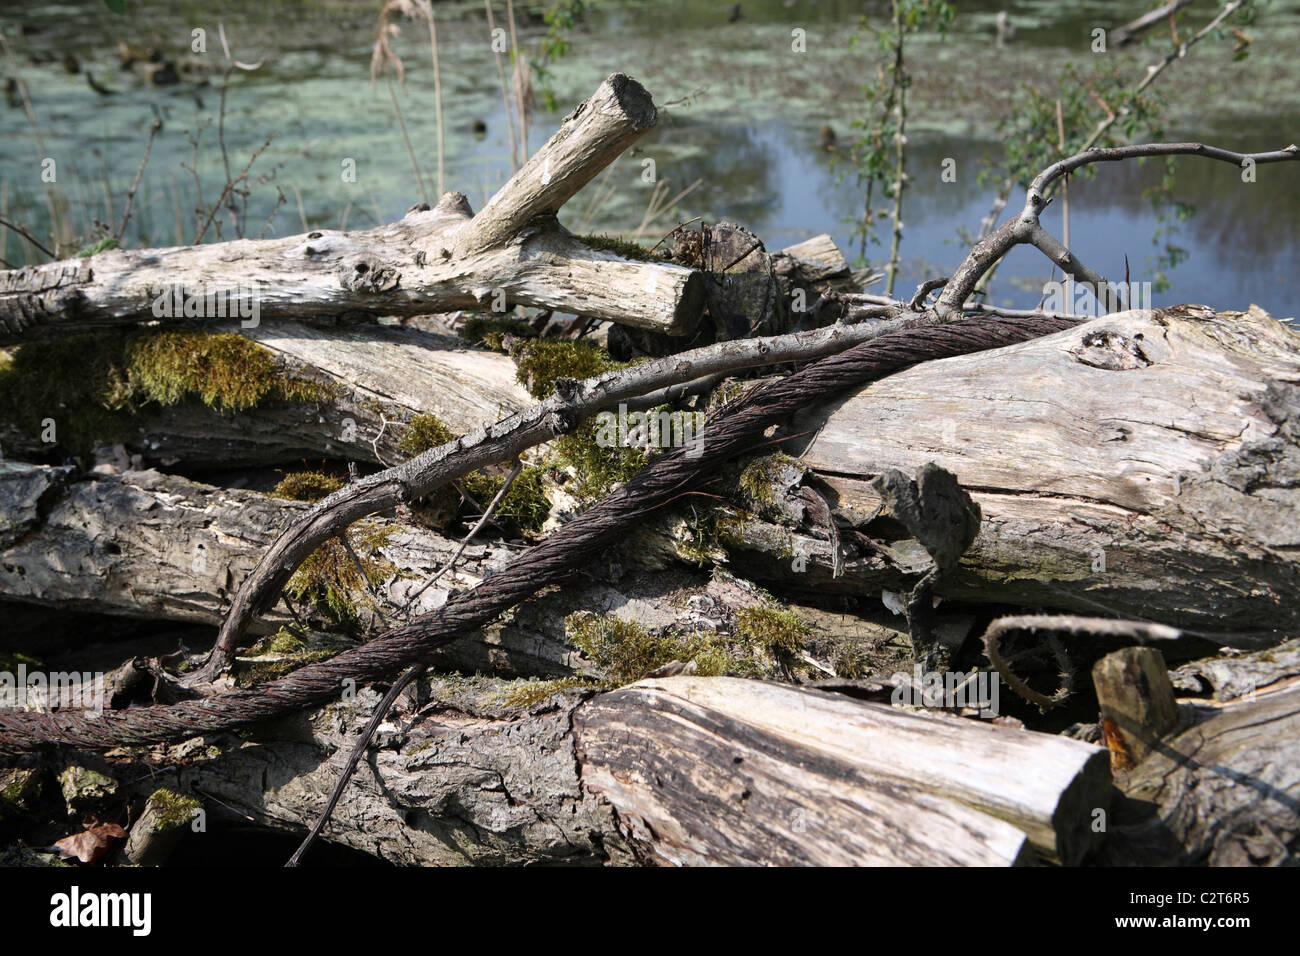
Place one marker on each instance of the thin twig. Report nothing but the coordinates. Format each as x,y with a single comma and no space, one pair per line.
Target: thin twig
28,236
229,186
135,183
354,758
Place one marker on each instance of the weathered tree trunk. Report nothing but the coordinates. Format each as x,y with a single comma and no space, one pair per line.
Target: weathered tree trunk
1142,464
152,545
719,771
433,260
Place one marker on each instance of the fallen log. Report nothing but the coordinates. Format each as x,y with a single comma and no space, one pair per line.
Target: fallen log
717,771
151,546
433,260
1164,447
146,544
1048,787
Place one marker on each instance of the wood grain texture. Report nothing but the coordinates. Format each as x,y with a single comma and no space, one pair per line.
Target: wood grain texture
1145,463
871,783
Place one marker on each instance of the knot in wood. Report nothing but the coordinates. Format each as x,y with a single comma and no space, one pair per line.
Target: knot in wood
369,275
566,389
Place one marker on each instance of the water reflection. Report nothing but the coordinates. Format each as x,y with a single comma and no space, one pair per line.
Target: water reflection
749,133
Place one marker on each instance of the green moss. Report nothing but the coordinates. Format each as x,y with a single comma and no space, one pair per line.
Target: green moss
171,809
626,651
526,694
762,480
424,432
525,505
331,580
696,538
596,470
282,642
83,787
620,247
20,789
778,631
491,333
225,371
541,361
89,384
850,661
277,654
307,486
72,381
95,247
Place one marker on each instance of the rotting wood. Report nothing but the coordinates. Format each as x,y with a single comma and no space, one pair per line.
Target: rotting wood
1164,446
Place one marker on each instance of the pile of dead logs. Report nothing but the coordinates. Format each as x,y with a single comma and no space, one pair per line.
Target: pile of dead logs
938,468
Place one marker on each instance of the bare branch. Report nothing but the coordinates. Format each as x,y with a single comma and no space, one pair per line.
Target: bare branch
1027,229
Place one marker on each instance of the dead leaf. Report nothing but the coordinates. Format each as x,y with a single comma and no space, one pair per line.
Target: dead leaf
89,845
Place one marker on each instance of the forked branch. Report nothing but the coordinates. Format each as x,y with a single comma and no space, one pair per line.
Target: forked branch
1026,228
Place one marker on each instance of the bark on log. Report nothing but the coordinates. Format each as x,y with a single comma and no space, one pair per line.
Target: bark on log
152,545
773,775
127,545
1142,464
433,260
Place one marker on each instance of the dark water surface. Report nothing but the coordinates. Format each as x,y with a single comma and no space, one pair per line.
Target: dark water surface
743,119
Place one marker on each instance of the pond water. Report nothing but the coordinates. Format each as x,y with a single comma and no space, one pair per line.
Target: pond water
742,119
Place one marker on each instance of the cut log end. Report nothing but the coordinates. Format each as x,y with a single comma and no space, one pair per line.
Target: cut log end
632,99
